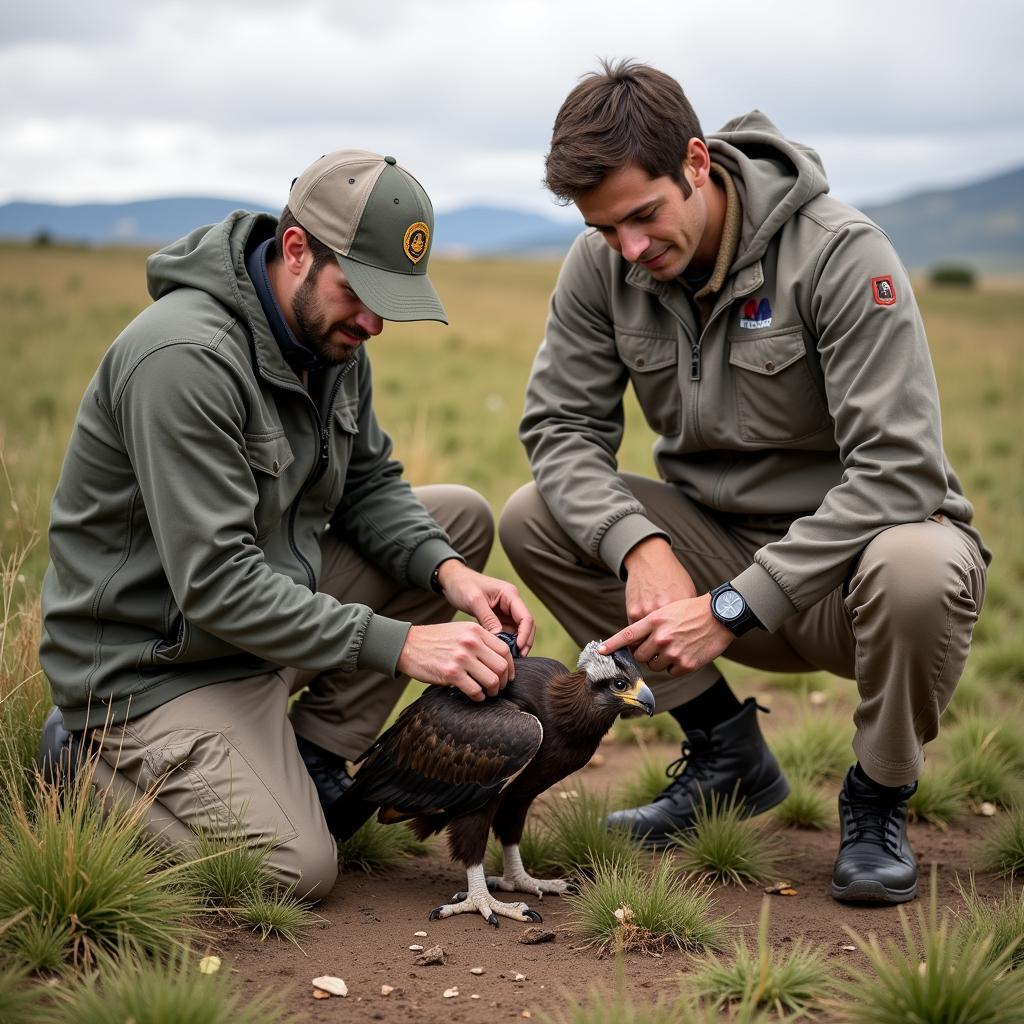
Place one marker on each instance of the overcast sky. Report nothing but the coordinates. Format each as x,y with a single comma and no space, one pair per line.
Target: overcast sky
121,100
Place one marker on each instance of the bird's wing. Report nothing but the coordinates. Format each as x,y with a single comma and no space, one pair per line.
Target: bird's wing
448,755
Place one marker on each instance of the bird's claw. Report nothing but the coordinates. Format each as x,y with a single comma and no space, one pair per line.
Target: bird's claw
435,914
460,896
493,920
533,916
572,889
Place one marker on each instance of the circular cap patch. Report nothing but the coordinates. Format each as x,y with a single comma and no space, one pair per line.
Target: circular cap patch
417,240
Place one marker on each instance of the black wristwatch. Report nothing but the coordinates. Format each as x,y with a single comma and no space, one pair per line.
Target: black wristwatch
728,606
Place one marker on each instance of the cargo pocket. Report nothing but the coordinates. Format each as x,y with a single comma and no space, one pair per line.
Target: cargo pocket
653,368
269,456
343,435
777,399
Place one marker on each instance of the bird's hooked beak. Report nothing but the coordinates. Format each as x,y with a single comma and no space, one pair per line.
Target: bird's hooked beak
637,700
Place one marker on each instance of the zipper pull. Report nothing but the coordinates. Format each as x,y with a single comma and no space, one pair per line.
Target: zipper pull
325,453
695,362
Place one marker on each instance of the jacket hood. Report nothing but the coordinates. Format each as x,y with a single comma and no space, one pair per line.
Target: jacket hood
211,259
774,176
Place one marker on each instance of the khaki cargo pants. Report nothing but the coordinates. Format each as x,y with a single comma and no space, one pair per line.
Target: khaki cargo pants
901,626
223,758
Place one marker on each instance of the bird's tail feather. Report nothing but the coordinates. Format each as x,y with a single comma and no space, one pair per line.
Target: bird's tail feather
348,813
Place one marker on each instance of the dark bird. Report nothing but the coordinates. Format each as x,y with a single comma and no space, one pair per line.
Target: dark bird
449,762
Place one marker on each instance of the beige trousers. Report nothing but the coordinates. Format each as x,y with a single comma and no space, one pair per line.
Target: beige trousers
901,626
223,758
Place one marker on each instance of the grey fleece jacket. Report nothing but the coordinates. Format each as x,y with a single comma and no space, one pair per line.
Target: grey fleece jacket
198,482
807,393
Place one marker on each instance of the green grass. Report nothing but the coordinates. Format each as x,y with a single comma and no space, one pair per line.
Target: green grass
791,980
1003,851
20,999
940,796
165,992
580,839
987,756
660,728
377,847
806,806
998,922
647,780
724,846
939,972
84,883
627,907
268,911
223,870
536,848
817,747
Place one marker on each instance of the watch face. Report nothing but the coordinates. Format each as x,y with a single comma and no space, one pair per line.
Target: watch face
729,605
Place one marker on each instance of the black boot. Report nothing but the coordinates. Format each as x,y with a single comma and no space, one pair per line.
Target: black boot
732,758
61,752
875,863
328,771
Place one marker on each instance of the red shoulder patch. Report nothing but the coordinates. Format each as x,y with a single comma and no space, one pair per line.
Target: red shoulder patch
883,290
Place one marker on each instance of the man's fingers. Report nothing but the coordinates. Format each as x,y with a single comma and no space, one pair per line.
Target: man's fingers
471,689
632,634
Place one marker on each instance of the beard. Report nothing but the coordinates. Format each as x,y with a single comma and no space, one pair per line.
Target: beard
319,334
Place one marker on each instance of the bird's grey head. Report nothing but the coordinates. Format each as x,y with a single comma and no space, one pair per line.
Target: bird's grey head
619,675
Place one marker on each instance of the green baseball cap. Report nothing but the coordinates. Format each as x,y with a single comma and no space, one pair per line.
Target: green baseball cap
378,220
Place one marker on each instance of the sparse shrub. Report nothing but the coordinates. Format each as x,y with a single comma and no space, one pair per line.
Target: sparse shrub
377,847
818,747
580,839
789,981
1004,850
997,922
627,907
20,998
725,846
939,798
222,870
952,275
805,807
82,884
987,758
939,974
272,912
172,992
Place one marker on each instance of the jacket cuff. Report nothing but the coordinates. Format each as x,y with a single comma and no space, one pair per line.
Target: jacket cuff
624,535
765,598
382,644
427,557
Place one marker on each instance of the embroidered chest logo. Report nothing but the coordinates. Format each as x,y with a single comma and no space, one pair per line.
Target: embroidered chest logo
883,290
756,314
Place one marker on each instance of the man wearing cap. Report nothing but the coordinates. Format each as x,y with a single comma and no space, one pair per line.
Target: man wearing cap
230,528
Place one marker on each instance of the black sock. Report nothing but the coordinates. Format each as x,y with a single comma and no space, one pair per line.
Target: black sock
885,791
715,705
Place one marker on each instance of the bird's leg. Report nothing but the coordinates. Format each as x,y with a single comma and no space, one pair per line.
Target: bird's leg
515,877
480,900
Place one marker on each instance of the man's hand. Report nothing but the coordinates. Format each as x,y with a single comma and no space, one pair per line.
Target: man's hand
459,654
495,604
655,578
680,637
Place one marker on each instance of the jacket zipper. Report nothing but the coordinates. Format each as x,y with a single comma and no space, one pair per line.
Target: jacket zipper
319,467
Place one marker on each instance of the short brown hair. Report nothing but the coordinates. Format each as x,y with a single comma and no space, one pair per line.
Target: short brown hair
628,113
322,254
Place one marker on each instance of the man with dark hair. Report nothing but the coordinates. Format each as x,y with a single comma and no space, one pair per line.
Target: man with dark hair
806,516
230,528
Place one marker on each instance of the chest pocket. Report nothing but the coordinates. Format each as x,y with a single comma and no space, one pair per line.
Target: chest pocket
653,364
777,399
269,456
344,430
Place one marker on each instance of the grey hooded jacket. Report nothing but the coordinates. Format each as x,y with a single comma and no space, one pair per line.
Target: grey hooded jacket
198,481
807,393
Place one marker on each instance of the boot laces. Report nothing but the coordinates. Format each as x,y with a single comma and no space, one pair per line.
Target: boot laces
693,766
870,820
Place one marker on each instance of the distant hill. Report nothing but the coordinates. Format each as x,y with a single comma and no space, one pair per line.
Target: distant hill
981,224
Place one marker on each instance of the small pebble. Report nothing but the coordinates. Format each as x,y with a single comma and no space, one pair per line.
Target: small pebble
535,936
817,698
386,990
209,965
848,948
328,983
416,948
420,935
987,809
319,993
450,993
519,977
474,996
527,1014
434,955
476,970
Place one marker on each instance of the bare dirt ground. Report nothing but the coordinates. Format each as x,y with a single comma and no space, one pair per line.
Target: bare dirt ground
369,923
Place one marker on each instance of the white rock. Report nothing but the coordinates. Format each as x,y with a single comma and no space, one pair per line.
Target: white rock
450,993
416,948
474,996
987,809
331,984
420,935
386,990
209,965
817,698
476,970
519,977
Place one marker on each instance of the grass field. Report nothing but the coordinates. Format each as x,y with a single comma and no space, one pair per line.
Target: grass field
451,398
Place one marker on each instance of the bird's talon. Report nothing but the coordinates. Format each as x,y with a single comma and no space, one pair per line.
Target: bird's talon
435,914
459,897
572,889
532,915
493,921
